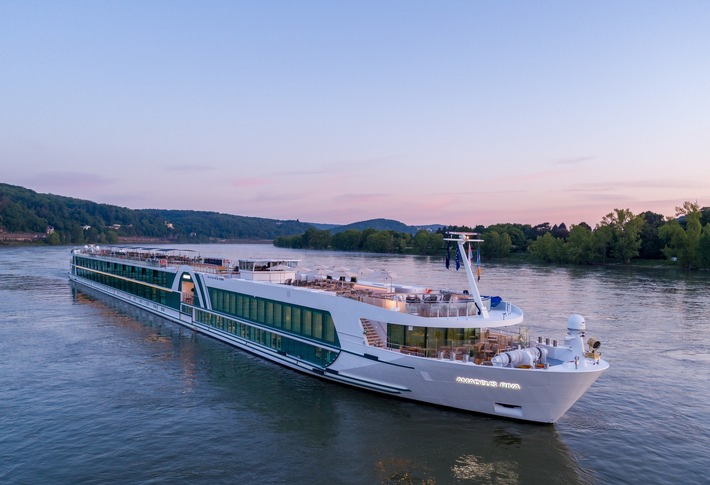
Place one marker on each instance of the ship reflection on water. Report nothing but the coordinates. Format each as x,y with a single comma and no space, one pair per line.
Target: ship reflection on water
274,412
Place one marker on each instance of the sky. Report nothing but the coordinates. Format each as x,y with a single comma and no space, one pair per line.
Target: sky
427,112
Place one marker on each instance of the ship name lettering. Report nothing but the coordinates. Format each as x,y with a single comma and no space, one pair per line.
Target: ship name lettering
487,383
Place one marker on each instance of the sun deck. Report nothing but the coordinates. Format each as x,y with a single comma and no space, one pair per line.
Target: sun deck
479,350
413,301
425,303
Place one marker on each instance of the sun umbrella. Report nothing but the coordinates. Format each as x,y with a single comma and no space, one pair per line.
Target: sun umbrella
338,272
281,267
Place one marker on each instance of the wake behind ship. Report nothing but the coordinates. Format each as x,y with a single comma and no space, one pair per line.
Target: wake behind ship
458,349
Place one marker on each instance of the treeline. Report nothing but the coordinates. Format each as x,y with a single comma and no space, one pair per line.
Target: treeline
66,220
620,237
368,240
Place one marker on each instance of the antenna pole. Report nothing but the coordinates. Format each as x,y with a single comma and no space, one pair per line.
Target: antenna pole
460,238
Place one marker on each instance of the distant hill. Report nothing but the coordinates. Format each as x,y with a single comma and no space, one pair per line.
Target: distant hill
384,225
66,220
79,221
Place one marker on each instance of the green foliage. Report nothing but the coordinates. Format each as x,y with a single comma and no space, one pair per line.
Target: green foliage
704,248
295,242
516,235
580,244
427,243
651,242
369,240
684,243
620,235
316,239
348,240
78,221
548,248
625,228
497,245
377,224
53,239
379,242
586,246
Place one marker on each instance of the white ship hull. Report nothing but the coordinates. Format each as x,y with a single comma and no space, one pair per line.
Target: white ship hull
538,392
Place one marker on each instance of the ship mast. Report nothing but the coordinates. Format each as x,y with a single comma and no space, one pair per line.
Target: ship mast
460,238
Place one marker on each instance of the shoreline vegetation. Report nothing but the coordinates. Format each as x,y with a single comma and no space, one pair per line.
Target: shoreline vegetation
682,240
646,239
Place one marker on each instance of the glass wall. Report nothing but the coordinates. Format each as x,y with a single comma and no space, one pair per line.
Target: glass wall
429,339
308,352
305,322
135,280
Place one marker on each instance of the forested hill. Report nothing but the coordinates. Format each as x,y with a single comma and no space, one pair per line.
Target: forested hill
76,221
383,225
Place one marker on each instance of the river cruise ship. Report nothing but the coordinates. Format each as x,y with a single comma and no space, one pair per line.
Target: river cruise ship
458,349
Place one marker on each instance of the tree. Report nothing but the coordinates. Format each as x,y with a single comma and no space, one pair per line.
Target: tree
580,244
625,228
651,242
348,240
693,229
427,243
519,243
548,249
316,239
705,216
92,235
111,237
541,229
601,244
496,245
53,239
76,233
682,243
380,242
560,231
704,248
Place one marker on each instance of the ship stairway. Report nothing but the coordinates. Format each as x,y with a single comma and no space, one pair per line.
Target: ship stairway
373,338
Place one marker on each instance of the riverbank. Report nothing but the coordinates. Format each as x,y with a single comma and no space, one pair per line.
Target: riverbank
39,239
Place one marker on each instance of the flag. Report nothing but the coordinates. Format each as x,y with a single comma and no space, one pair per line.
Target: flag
448,254
470,253
458,258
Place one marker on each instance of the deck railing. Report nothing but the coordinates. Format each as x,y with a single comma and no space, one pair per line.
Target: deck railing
425,305
478,351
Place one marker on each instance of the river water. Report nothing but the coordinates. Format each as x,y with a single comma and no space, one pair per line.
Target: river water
92,392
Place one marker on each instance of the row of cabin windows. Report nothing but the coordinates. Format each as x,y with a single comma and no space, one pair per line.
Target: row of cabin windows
308,352
303,321
139,273
157,295
430,338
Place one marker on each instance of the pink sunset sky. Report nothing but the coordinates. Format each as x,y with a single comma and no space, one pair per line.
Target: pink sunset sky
455,112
